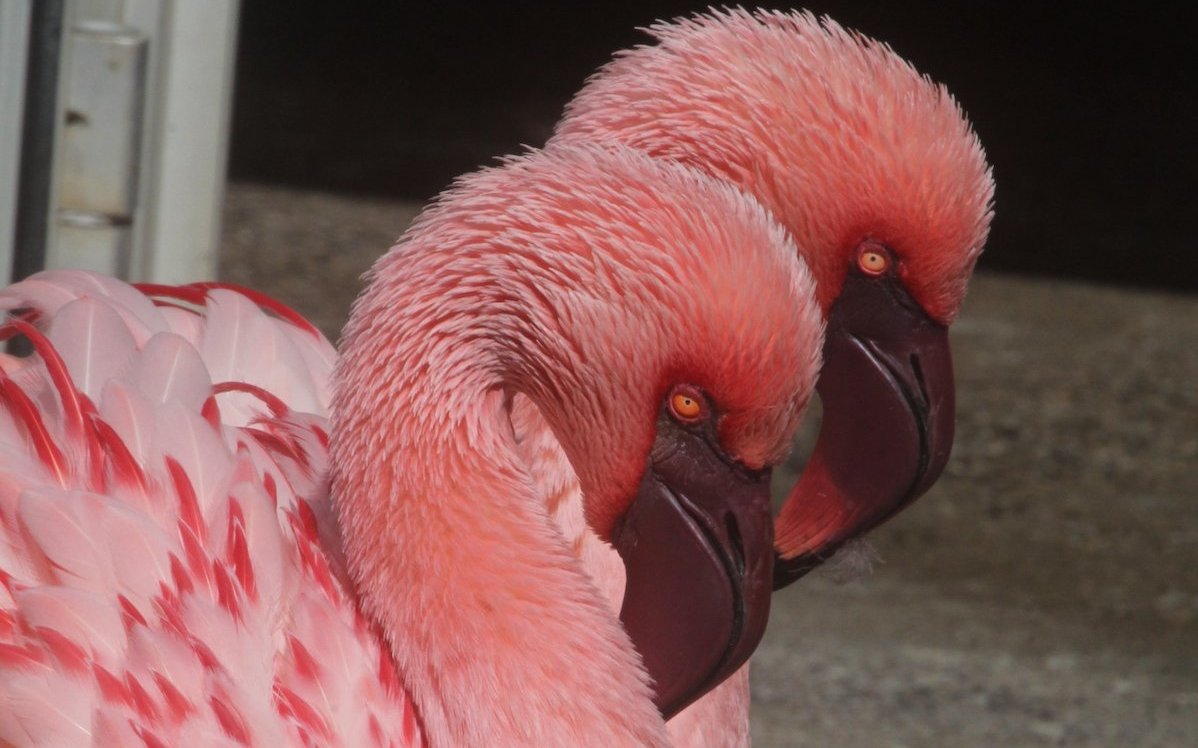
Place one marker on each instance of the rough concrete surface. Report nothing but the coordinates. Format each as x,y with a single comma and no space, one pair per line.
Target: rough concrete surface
1044,593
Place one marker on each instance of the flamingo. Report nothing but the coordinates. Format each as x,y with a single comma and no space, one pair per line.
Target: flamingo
877,175
193,551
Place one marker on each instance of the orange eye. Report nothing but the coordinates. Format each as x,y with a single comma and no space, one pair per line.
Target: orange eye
686,404
873,261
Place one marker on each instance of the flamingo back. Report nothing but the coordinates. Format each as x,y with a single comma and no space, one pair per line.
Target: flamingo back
170,573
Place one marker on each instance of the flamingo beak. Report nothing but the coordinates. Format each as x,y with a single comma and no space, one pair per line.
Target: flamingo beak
888,416
697,544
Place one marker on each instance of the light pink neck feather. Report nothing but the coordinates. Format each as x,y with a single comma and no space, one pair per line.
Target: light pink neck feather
511,645
500,637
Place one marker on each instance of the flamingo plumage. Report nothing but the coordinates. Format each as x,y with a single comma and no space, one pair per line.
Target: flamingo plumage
863,160
161,523
175,570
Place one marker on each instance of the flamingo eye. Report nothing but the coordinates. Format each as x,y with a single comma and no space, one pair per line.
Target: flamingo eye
687,404
873,260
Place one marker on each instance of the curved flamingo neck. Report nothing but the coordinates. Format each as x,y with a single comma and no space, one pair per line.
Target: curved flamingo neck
499,636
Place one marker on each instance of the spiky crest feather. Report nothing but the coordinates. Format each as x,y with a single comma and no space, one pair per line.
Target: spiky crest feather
836,134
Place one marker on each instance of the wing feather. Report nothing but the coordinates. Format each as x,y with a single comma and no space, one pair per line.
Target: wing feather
80,616
165,598
95,344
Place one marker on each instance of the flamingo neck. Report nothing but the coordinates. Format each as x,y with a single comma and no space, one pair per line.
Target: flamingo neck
499,636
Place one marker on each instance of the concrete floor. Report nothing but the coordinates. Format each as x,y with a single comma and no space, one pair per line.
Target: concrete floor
1044,593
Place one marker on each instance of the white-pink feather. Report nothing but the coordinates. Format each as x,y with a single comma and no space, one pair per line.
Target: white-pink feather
169,570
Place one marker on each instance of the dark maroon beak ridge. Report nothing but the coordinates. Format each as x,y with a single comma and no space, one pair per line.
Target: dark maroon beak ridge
697,545
888,421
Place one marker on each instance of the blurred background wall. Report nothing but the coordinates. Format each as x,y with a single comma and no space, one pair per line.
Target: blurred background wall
1085,108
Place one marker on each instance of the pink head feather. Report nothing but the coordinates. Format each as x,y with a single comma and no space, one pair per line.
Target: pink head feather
836,134
599,275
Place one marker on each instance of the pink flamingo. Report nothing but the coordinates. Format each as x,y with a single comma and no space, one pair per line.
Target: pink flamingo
171,571
878,177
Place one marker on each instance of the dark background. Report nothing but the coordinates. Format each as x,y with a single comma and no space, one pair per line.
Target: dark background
1084,108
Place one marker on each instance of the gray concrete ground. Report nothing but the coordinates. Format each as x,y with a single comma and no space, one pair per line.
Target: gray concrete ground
1044,593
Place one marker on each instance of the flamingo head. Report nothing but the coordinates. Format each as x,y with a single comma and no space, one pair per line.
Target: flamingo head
885,189
694,340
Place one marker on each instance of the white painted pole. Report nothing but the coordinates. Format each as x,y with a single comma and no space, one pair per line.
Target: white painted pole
14,39
189,105
148,208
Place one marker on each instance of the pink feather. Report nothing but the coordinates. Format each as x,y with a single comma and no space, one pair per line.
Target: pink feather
94,342
182,575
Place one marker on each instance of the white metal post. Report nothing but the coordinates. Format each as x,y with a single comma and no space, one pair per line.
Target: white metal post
14,37
190,92
142,137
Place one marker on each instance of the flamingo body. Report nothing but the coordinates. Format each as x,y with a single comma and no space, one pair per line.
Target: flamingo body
167,565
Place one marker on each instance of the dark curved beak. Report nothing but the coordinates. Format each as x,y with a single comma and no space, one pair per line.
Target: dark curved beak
888,415
697,544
